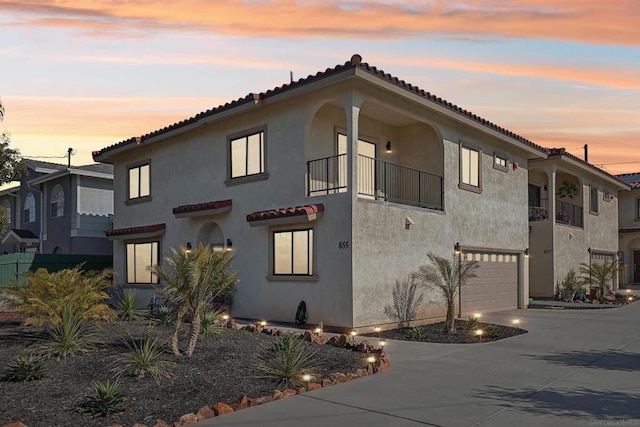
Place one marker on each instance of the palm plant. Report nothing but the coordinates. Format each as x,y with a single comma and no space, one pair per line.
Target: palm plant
43,297
191,280
600,275
446,277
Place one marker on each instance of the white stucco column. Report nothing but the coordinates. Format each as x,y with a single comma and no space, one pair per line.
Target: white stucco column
352,108
551,175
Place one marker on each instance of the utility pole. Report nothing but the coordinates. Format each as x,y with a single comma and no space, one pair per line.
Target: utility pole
586,152
69,152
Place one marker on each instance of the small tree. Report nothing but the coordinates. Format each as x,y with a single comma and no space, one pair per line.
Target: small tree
600,275
446,277
405,304
191,280
11,168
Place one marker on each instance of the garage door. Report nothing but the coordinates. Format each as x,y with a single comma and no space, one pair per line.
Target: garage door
496,286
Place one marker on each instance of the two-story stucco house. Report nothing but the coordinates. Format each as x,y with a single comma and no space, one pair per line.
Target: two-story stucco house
59,209
573,218
329,190
629,229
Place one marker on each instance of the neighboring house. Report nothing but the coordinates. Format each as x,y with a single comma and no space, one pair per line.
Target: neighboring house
329,190
629,228
573,218
59,209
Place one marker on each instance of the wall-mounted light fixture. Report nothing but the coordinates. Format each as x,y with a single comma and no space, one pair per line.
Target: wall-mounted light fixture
589,250
388,146
229,244
526,252
189,247
456,248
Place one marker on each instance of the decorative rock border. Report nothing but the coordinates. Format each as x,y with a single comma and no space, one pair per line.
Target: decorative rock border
380,363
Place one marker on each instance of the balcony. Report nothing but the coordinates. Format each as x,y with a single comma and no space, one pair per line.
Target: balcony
538,210
569,214
377,180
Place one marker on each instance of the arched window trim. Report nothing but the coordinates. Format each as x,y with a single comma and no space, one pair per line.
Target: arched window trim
57,201
29,208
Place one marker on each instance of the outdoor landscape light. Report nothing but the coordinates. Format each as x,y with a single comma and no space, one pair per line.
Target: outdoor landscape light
477,315
377,329
516,322
263,323
354,333
318,330
306,378
628,291
371,359
630,298
383,343
479,332
225,317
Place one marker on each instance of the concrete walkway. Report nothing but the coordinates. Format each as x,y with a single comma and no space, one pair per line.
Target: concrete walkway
577,368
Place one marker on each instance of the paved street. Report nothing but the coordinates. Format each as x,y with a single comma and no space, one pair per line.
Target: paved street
574,367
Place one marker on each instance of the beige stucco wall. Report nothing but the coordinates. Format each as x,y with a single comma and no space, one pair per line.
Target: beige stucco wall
352,285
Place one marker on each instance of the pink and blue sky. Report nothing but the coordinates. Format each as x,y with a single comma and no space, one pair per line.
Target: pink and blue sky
89,73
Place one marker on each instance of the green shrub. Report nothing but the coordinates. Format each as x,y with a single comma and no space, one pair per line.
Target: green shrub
127,307
417,334
166,316
25,368
67,338
405,304
472,323
144,356
44,296
211,322
492,331
288,360
105,398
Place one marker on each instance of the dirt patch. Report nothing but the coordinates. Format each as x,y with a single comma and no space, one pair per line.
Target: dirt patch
223,368
434,333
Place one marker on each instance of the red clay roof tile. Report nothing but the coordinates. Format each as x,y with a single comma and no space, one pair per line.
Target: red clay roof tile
218,204
286,212
136,230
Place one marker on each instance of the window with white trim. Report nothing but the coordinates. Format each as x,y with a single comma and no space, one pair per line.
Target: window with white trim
29,208
293,252
140,258
247,155
139,181
57,201
501,162
470,167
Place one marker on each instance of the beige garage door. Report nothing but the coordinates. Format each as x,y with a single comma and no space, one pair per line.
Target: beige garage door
496,286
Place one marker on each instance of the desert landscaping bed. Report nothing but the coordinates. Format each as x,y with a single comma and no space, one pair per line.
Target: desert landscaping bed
223,368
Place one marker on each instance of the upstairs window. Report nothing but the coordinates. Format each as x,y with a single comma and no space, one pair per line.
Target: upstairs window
470,169
593,200
29,208
139,181
57,202
637,208
500,162
247,155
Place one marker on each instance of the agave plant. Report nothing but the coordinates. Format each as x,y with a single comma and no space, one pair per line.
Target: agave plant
105,398
127,306
25,368
288,360
144,356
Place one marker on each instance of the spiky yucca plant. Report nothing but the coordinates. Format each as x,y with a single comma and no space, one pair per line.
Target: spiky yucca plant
211,321
25,368
166,316
446,277
144,356
105,398
288,360
127,306
67,338
45,294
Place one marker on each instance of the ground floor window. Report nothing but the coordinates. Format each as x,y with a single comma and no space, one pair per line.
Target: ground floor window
140,257
293,252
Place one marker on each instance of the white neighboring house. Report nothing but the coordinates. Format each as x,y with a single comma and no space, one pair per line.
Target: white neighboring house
629,229
573,218
329,190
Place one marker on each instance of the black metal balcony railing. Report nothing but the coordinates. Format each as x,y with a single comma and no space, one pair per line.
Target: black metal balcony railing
377,179
539,210
570,214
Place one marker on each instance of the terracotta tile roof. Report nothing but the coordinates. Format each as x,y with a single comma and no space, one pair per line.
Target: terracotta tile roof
353,64
142,229
560,152
219,204
306,210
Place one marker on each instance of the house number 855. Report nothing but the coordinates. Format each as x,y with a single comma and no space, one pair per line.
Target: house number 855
343,245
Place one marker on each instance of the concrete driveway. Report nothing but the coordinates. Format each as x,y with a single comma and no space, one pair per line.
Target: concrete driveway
574,367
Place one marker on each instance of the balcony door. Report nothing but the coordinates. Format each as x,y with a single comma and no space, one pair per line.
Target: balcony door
366,166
